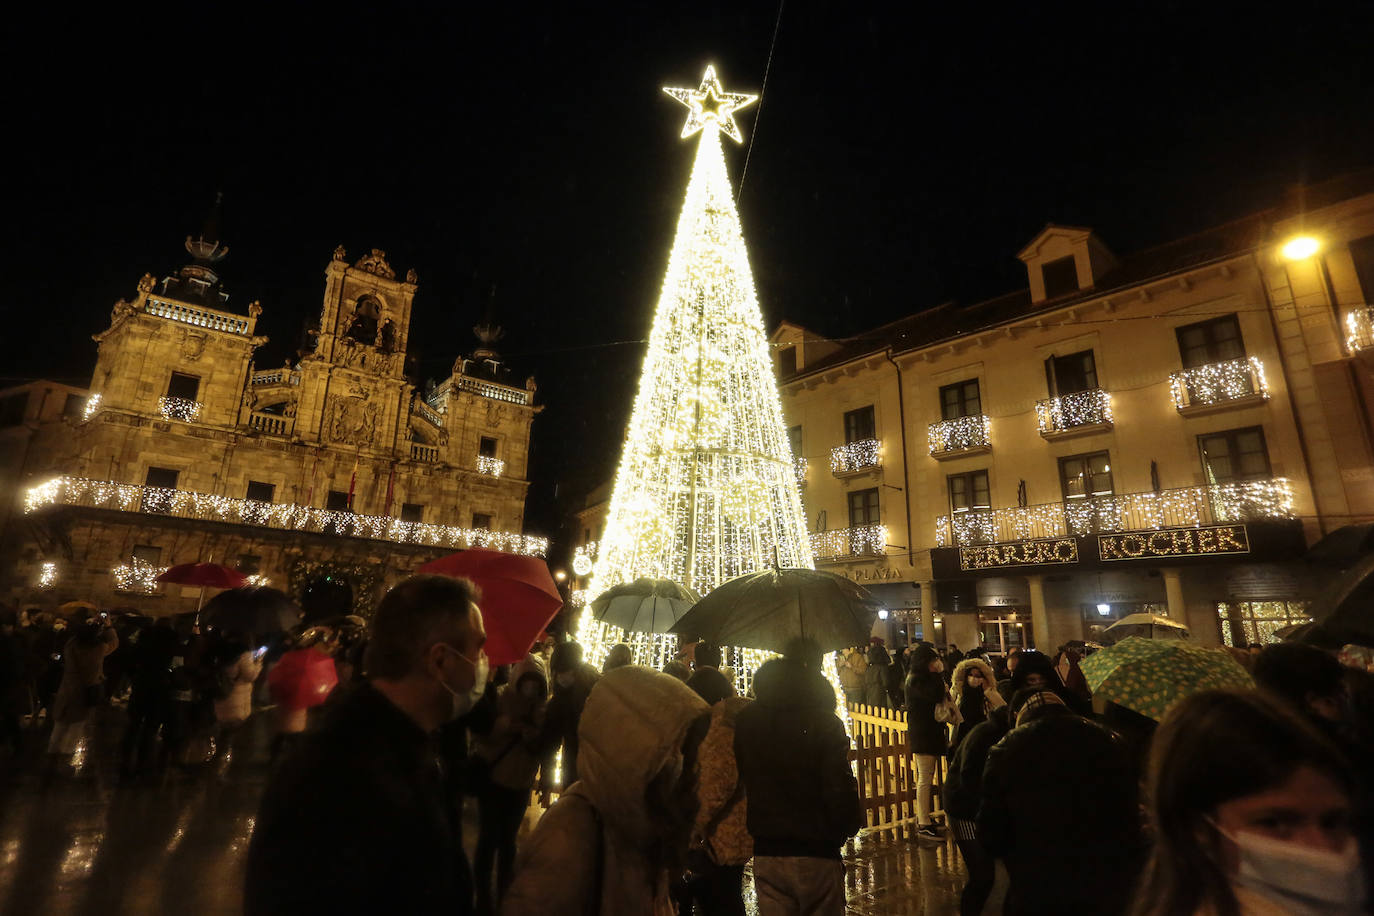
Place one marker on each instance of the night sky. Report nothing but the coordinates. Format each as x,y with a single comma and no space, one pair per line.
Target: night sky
901,156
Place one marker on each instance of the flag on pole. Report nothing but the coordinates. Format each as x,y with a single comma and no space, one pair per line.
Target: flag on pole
352,484
390,481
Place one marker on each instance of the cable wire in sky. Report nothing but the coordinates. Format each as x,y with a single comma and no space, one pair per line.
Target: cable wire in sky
758,115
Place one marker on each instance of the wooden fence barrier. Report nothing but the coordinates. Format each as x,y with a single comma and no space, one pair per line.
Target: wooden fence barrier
885,769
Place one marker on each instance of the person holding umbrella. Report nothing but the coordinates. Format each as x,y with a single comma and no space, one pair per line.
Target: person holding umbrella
358,818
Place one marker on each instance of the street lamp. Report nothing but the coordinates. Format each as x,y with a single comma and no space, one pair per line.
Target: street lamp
1300,248
1303,247
560,575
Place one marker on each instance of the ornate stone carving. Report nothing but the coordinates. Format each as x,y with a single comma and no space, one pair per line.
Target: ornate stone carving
192,345
351,421
496,412
146,283
375,263
254,309
340,254
412,277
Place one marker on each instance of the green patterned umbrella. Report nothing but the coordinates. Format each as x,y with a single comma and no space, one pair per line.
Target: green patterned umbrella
1151,675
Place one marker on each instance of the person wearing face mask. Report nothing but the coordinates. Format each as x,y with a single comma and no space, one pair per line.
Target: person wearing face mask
975,693
357,819
1251,811
573,680
611,842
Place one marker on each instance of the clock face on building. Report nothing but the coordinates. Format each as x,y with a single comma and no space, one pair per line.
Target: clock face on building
582,564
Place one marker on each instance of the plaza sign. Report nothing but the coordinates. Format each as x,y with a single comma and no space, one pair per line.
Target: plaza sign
1050,551
1175,542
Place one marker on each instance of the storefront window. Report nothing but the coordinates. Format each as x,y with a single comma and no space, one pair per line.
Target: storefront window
1000,633
1246,622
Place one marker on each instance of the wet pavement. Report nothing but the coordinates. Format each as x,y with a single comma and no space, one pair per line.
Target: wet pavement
72,845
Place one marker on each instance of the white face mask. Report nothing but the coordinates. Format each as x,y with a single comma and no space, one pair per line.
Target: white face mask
463,702
1304,879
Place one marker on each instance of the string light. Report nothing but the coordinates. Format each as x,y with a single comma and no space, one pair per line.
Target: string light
958,434
577,597
1359,329
127,497
859,541
1185,507
856,456
584,558
706,489
92,406
47,575
799,467
187,411
1081,408
138,576
492,467
1217,383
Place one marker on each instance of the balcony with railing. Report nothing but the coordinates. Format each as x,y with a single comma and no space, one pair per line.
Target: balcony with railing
849,543
186,504
856,457
960,437
1078,413
197,316
800,467
492,467
1359,328
426,453
181,409
274,424
275,377
427,413
494,390
1216,386
1183,507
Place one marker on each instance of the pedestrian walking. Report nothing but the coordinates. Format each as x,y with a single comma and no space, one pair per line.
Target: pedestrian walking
801,796
238,667
619,656
877,676
1060,806
975,695
610,843
82,688
852,665
962,795
927,735
502,769
721,844
357,819
1270,836
150,698
573,680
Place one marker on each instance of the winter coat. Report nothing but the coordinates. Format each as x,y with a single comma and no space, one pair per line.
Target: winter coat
357,820
875,685
511,746
239,676
923,691
793,756
1060,805
722,829
83,668
963,788
562,718
851,672
602,834
974,702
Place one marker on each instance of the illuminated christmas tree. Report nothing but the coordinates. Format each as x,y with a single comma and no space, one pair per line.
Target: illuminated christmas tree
706,489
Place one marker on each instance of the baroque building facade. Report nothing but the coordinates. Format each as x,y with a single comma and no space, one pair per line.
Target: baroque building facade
330,476
1164,432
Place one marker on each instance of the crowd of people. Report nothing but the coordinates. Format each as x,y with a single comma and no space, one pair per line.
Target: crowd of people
660,787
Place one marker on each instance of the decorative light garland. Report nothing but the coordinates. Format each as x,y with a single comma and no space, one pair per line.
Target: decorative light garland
856,456
584,558
577,597
92,406
859,541
1217,383
126,497
958,434
1185,507
800,467
1359,326
1081,408
182,409
138,576
492,467
47,575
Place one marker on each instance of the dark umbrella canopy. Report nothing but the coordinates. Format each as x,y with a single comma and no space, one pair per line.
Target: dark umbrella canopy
257,609
1344,612
764,610
644,605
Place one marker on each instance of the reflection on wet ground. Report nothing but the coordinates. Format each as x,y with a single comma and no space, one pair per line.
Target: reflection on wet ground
86,845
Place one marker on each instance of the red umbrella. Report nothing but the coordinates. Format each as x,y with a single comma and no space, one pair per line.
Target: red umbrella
210,575
519,597
303,678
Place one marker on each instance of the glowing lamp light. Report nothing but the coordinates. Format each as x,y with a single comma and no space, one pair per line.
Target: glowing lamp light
1300,247
560,575
882,613
1104,609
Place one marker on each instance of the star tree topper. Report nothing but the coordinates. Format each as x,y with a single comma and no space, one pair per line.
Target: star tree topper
710,104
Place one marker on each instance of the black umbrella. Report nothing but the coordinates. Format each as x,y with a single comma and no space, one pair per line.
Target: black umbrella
1342,547
764,610
255,609
1344,612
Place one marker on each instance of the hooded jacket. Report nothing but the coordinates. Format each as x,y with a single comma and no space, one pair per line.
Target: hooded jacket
793,756
722,829
632,728
966,698
924,690
512,746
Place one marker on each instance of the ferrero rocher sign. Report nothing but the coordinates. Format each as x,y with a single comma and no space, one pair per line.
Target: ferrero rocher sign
1049,551
1174,542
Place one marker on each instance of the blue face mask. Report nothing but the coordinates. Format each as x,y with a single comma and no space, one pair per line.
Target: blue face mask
1301,879
463,702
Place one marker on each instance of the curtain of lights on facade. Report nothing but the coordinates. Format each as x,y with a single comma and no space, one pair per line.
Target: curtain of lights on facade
706,489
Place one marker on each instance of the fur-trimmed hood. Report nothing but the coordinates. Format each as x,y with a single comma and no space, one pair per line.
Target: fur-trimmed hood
960,678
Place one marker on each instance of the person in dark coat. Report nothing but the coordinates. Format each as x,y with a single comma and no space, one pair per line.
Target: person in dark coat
802,798
357,819
962,794
150,697
573,680
925,689
1061,806
876,677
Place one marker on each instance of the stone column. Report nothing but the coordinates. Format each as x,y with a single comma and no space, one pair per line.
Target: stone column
1040,618
1173,594
928,611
